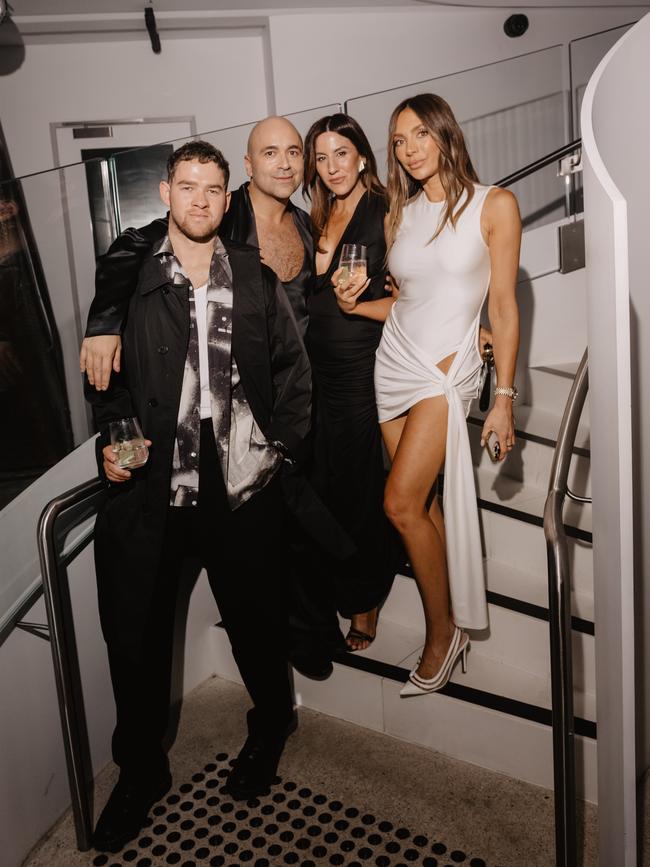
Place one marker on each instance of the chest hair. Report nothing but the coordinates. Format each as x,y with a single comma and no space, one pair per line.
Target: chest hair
281,248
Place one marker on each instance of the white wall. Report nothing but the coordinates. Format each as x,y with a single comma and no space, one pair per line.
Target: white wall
363,52
615,133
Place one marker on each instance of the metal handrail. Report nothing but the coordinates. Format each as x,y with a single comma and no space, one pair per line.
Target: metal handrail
66,659
559,592
540,163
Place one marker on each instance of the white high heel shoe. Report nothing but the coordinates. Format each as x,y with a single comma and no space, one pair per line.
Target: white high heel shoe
417,685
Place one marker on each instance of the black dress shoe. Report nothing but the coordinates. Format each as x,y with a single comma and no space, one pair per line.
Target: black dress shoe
127,809
257,763
312,661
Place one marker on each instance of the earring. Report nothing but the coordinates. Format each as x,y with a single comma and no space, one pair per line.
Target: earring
362,166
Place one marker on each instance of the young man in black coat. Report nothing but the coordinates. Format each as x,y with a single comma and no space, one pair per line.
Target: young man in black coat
215,369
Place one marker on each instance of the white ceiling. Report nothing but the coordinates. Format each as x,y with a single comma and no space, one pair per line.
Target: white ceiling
75,7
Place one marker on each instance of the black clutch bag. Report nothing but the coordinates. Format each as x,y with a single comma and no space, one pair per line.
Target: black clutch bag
486,377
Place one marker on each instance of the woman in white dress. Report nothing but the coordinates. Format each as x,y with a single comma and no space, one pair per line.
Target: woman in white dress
452,242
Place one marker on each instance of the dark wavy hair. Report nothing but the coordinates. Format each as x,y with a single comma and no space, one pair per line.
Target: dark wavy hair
199,150
314,188
457,174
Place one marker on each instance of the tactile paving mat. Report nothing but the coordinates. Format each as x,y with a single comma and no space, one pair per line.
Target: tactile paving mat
198,824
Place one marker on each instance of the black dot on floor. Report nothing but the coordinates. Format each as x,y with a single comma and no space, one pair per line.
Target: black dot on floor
286,836
144,862
227,807
335,805
279,797
402,833
358,832
228,827
293,804
325,818
173,858
382,861
186,824
158,850
320,799
411,854
331,837
477,862
246,855
307,864
186,787
256,821
173,799
457,856
374,840
385,826
365,853
275,849
337,859
271,829
341,825
261,862
253,802
309,810
211,784
283,816
173,817
430,862
392,847
130,855
347,845
221,757
313,830
291,858
222,773
267,809
298,823
244,834
186,845
319,851
438,848
218,860
230,848
143,842
351,812
258,842
173,837
100,860
214,820
420,840
368,819
201,832
302,843
216,840
304,793
202,852
159,810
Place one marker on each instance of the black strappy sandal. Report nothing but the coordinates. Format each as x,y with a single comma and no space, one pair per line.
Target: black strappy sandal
357,635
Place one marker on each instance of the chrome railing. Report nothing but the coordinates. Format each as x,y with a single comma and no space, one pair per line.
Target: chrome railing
64,651
542,162
559,593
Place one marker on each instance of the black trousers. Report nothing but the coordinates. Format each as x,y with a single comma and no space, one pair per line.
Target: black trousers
242,551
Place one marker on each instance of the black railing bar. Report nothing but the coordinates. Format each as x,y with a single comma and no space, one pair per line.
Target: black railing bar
40,630
65,657
559,590
576,497
29,598
540,163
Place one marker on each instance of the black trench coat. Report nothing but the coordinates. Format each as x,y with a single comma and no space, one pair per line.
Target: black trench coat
275,375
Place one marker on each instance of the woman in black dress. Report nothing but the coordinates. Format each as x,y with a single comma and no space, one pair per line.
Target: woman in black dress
348,206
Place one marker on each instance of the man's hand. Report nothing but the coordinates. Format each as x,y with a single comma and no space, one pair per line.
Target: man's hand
113,472
98,355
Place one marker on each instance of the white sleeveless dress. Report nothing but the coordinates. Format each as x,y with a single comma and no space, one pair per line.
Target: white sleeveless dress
443,285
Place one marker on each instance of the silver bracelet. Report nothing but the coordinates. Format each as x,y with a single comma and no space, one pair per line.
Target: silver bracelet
511,392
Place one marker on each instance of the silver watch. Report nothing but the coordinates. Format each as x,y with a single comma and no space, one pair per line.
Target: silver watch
511,392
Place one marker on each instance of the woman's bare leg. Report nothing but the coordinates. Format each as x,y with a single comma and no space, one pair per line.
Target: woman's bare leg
417,446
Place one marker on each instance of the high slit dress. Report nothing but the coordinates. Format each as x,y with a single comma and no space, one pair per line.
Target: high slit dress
443,285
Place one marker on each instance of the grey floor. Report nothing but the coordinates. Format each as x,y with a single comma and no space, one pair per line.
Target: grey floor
414,806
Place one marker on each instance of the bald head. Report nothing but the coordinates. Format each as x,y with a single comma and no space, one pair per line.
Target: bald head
274,158
272,129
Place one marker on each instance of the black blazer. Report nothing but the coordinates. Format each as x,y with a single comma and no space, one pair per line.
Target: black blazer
275,375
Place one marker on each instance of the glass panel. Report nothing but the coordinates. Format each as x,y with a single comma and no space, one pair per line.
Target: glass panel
512,112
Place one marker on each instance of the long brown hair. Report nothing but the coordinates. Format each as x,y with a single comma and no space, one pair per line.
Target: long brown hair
457,174
314,188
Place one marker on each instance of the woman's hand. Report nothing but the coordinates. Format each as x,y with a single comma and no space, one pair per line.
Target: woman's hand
391,287
484,338
501,420
113,472
348,289
98,355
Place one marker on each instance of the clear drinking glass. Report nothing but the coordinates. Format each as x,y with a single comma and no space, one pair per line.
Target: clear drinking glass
353,258
128,443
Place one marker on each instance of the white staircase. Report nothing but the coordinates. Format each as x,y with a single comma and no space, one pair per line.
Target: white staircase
498,714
